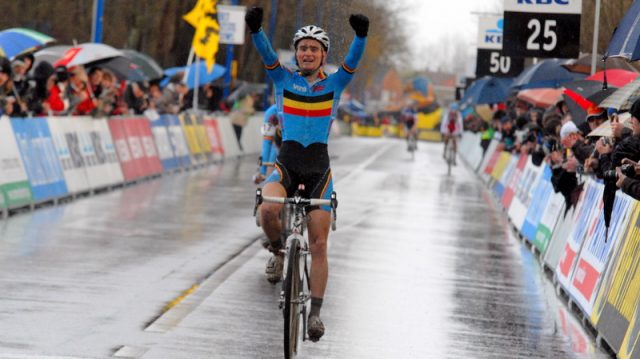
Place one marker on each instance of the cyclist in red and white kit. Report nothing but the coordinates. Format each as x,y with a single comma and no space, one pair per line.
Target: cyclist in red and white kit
451,129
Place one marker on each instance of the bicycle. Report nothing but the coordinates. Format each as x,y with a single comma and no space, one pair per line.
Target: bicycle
412,144
449,155
296,289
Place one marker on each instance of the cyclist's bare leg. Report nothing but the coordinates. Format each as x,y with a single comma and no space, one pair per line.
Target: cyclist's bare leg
270,212
318,226
446,143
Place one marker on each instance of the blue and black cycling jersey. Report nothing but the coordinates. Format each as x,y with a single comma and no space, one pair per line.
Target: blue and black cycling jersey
307,110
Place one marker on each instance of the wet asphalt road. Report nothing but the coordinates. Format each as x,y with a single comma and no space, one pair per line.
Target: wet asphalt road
422,266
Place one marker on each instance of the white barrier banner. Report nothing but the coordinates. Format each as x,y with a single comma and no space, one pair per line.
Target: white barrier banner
67,143
14,183
585,211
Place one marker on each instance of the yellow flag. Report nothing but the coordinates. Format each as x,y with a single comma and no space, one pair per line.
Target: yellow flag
194,16
205,41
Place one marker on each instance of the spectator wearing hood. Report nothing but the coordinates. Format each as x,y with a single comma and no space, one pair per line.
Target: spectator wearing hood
44,80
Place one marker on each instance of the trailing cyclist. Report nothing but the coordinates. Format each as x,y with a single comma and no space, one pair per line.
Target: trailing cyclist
307,102
409,116
271,142
451,128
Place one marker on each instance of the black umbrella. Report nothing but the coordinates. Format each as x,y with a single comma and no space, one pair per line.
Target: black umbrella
582,94
122,67
146,64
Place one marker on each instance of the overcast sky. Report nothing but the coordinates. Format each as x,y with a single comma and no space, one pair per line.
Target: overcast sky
436,24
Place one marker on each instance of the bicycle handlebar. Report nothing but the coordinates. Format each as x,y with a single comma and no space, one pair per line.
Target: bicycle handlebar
298,200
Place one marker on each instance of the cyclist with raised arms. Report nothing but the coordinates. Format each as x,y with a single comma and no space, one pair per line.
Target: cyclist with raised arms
307,102
271,142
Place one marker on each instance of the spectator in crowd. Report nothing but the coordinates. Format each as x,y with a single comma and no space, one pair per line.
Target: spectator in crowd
136,98
8,102
44,80
508,138
19,76
630,182
173,94
155,95
242,110
58,101
629,185
571,138
564,166
108,100
95,80
81,100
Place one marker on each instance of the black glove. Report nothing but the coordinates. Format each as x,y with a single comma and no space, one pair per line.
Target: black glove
253,18
360,24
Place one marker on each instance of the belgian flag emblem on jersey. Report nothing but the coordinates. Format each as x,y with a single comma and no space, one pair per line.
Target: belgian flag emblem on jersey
307,106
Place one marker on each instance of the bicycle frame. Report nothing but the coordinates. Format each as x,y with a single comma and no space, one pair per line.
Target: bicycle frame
295,292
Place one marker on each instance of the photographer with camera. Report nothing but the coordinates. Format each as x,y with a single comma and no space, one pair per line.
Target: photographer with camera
628,174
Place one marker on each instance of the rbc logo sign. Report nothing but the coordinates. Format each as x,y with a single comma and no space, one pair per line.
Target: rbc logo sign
544,2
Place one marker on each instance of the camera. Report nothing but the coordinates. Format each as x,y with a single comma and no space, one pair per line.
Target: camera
626,169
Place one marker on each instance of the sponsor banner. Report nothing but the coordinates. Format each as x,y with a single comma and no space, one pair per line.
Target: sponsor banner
544,212
186,121
159,127
251,138
213,134
630,348
503,171
69,151
100,164
594,255
560,234
585,211
15,190
178,141
142,129
490,61
523,193
619,294
39,158
541,192
128,163
106,152
229,141
489,154
510,186
201,135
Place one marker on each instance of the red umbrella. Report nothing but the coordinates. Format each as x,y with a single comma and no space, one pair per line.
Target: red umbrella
541,97
615,77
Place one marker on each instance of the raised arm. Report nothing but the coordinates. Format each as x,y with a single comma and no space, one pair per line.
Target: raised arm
360,25
253,18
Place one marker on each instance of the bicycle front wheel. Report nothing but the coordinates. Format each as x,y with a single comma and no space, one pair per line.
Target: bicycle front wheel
292,288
